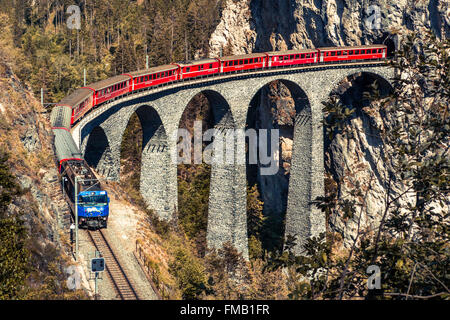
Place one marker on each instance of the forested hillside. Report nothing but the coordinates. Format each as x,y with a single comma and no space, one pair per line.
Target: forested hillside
114,37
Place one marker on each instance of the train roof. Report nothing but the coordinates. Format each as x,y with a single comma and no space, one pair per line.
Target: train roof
195,62
60,117
65,146
242,56
90,188
165,67
107,82
353,47
293,51
75,97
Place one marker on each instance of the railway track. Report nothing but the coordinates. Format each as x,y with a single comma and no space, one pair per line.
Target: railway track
121,283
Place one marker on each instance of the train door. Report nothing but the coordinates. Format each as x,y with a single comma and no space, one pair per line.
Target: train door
315,57
321,56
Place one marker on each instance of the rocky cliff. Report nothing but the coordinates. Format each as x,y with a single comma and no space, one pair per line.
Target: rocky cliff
264,25
26,150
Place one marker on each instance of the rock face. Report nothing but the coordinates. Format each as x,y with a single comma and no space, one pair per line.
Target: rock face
277,111
264,25
26,138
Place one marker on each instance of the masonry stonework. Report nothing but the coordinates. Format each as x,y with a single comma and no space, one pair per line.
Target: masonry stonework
160,111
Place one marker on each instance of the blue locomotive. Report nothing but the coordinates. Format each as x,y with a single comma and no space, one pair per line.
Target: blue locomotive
92,203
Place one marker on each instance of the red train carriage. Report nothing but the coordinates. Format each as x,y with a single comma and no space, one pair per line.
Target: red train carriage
292,57
197,68
153,76
80,101
333,54
243,62
110,88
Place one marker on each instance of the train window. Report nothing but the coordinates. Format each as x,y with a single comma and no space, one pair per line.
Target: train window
303,56
339,53
291,57
344,53
363,51
356,51
296,56
188,69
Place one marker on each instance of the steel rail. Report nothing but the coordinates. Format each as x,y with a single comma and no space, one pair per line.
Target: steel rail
119,278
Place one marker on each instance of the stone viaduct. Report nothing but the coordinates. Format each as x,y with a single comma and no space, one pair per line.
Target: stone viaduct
99,137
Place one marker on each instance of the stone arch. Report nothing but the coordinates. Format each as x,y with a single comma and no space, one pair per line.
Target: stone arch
222,114
391,41
286,194
155,161
222,205
374,74
98,152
